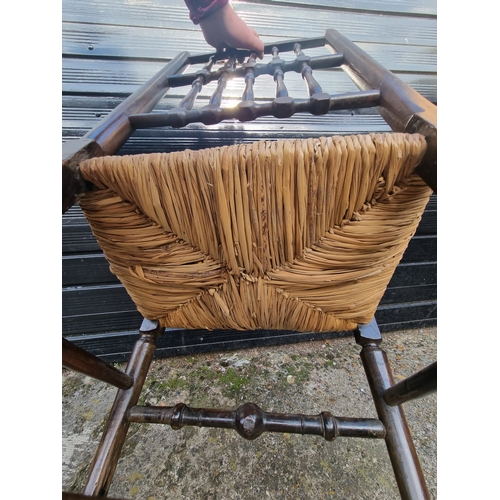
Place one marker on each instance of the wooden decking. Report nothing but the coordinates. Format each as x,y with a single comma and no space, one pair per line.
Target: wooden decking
110,47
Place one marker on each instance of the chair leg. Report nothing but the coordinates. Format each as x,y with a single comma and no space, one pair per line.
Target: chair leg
77,359
415,386
405,463
108,453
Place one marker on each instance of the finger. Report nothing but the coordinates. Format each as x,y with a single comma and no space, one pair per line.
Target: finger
248,41
259,47
256,44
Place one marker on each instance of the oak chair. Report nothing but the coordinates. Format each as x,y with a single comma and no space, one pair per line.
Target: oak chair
300,235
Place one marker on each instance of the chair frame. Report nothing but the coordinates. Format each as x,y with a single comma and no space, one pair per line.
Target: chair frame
404,110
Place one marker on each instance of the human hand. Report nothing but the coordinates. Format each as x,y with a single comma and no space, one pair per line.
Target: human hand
224,29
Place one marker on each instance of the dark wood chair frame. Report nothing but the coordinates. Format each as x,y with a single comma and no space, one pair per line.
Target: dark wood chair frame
404,110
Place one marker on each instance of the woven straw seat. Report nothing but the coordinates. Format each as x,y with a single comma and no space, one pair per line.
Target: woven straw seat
299,235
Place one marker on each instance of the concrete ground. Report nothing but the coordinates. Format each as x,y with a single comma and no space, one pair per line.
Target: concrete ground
215,464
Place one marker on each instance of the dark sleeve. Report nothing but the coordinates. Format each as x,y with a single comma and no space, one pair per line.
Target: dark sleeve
201,9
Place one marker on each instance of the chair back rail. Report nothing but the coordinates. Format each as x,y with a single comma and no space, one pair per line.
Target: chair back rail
404,109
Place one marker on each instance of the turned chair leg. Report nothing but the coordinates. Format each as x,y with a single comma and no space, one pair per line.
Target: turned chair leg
405,463
108,453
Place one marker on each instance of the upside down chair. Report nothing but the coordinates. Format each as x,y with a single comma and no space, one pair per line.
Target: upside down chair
299,235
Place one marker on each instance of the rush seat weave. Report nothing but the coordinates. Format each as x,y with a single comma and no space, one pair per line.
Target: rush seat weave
297,235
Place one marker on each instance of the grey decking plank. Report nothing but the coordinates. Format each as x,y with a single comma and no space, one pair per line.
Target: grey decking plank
133,42
420,7
80,269
299,21
196,136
